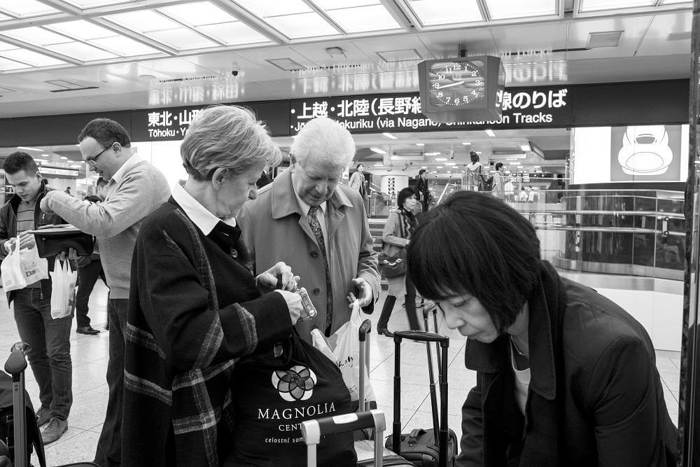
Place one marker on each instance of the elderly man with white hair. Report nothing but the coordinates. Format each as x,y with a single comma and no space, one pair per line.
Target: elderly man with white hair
317,226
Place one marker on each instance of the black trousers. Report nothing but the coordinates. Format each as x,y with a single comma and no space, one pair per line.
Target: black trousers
109,449
87,276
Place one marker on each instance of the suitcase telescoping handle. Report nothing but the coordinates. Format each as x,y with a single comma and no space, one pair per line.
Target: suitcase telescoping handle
15,366
364,331
313,430
421,336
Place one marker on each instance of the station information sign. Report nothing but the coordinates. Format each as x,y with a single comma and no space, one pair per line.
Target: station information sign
544,107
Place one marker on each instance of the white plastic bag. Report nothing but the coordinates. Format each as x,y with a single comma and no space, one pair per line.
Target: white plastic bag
62,284
33,267
347,353
11,270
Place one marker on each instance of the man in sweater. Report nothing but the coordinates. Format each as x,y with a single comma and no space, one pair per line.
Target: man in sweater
135,189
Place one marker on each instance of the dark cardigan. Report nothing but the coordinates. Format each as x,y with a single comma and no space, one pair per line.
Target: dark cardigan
193,310
595,397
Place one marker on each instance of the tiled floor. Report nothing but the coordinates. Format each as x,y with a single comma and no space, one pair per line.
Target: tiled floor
90,390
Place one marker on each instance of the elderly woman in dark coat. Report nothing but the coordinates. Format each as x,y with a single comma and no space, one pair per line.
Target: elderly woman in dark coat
565,377
194,308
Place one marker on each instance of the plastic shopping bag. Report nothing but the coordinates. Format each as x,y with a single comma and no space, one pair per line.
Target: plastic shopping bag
33,267
347,353
62,284
11,271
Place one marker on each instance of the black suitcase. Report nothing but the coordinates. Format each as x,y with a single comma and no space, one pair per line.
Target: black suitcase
421,447
15,366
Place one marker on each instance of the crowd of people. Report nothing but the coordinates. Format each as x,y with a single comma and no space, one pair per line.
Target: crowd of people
205,275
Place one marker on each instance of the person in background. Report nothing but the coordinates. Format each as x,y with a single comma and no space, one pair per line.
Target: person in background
396,236
422,190
474,172
135,189
358,181
195,308
565,377
310,221
48,338
67,190
89,270
499,182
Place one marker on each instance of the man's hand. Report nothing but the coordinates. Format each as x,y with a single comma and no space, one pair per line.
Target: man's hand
25,239
279,276
364,292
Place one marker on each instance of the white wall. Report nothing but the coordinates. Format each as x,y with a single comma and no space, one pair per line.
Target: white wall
165,156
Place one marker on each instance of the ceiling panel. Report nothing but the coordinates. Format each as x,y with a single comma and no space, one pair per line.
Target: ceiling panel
507,9
363,19
442,12
25,8
599,5
80,51
668,34
633,29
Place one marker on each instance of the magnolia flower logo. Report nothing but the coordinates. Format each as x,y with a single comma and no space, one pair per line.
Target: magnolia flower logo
295,384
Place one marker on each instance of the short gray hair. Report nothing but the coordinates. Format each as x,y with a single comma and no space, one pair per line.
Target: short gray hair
226,137
325,140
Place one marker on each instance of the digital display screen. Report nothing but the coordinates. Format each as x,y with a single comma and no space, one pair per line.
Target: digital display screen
635,154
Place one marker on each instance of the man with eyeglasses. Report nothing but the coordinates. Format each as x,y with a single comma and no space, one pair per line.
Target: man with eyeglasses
135,189
317,226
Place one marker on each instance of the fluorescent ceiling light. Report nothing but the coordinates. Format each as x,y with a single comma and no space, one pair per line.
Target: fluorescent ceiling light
525,147
26,8
363,19
378,164
505,9
424,167
234,33
466,143
143,21
182,39
197,14
335,4
81,29
31,58
377,150
490,133
124,46
302,25
597,5
94,3
80,51
439,167
451,163
9,65
267,8
64,158
439,159
437,12
674,2
286,64
35,35
420,144
390,136
434,153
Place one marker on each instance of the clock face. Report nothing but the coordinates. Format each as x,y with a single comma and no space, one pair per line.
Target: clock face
457,84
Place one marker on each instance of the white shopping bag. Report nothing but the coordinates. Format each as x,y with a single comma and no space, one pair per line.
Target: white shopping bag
11,270
62,284
347,354
33,267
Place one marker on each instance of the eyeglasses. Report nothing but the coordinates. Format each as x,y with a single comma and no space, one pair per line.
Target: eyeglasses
93,160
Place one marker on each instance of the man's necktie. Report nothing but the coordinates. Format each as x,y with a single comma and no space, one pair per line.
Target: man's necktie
318,233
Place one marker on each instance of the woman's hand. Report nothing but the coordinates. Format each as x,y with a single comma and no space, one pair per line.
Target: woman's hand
293,304
279,276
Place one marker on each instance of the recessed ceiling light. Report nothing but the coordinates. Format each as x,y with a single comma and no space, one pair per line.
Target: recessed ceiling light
64,158
490,133
466,143
441,159
451,163
525,147
420,144
377,150
390,136
432,153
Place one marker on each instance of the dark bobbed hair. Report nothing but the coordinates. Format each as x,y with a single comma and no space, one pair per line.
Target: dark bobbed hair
473,156
476,244
499,165
20,161
105,132
404,194
421,171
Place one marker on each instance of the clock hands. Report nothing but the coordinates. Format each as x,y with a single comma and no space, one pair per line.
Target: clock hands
457,83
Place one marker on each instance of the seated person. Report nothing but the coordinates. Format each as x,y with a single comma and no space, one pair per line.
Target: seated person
565,377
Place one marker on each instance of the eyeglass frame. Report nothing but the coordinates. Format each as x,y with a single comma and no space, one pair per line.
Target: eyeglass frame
93,160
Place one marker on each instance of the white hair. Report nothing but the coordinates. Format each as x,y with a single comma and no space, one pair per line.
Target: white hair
324,140
226,137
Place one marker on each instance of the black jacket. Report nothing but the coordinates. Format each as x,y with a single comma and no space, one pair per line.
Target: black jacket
595,397
8,229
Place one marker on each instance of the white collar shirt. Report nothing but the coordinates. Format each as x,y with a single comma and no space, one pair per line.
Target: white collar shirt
198,214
